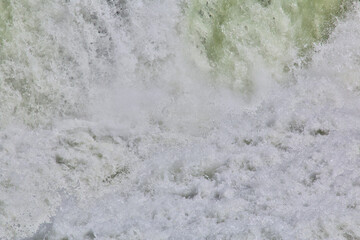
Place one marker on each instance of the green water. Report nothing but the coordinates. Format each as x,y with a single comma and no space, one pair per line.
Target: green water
32,74
5,19
236,35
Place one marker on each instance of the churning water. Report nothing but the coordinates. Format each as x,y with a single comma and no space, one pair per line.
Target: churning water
183,119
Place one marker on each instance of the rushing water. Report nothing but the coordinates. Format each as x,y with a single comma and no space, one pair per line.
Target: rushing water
189,119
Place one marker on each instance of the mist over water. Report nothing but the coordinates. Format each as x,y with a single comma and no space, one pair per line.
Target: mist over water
179,119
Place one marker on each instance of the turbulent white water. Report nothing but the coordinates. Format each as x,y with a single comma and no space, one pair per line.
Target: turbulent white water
179,119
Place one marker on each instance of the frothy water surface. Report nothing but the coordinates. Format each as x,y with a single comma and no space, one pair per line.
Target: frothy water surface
179,119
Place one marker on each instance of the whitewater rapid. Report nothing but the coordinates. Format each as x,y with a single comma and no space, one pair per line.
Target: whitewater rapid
192,119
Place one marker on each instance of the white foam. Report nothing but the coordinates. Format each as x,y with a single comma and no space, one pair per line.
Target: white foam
157,151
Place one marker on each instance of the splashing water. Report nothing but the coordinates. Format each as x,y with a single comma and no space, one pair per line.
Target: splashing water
236,36
180,119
